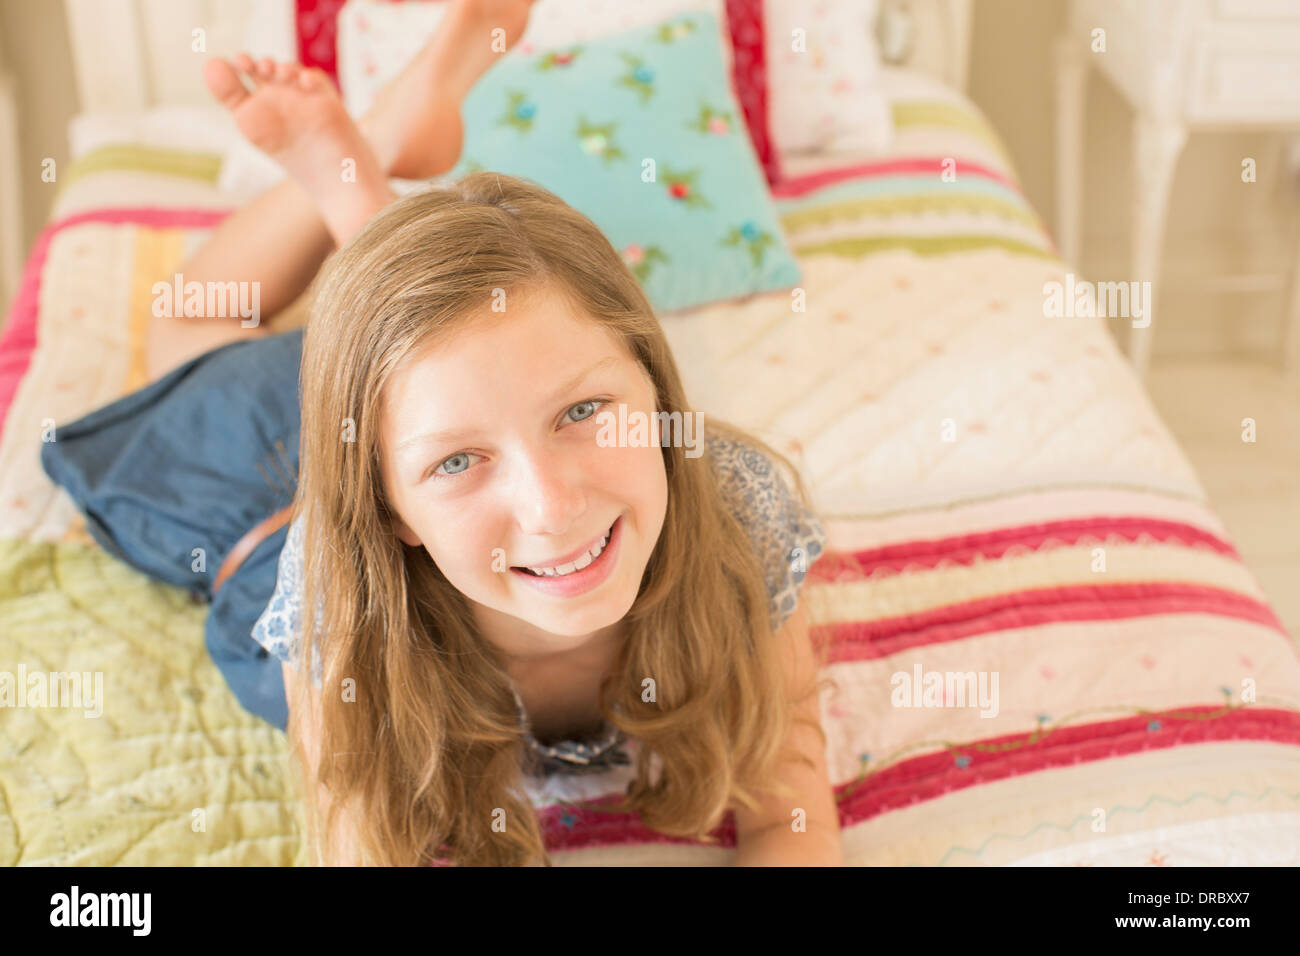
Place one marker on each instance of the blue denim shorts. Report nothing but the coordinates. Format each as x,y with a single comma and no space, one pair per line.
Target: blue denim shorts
171,476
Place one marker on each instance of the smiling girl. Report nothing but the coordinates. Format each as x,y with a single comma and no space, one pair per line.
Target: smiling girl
495,593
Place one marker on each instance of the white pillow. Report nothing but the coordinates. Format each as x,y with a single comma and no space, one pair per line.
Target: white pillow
823,75
377,39
199,129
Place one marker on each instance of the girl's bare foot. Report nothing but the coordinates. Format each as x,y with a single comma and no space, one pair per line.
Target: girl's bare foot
414,125
295,117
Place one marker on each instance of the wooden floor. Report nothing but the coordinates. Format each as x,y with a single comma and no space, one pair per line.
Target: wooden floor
1255,488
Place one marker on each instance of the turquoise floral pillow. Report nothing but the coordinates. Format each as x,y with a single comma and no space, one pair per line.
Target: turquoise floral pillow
641,133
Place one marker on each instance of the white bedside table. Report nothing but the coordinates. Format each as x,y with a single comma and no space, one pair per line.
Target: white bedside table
1181,64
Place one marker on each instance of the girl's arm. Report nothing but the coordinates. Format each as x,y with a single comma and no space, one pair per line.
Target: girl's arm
775,835
307,739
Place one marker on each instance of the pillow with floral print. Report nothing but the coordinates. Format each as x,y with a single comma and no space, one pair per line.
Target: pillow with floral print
641,132
377,39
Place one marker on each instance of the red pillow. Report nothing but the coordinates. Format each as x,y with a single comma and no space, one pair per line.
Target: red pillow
316,24
749,76
316,21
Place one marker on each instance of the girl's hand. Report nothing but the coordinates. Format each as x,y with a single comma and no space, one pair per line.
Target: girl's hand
768,837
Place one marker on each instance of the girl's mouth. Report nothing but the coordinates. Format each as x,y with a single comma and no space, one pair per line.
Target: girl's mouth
556,582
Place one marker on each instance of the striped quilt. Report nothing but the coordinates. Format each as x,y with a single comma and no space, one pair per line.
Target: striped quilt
1044,647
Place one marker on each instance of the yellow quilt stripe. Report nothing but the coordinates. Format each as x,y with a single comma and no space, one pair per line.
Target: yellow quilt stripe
919,590
925,113
880,208
172,162
157,254
855,248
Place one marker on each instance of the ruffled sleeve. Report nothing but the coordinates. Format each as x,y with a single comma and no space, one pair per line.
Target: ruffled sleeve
279,626
787,536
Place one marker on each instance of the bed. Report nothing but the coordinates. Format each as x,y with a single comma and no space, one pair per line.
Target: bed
999,494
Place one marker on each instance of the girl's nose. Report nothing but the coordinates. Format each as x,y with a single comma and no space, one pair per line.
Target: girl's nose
548,492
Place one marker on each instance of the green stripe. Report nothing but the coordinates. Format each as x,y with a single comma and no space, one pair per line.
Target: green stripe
150,159
882,207
925,113
921,245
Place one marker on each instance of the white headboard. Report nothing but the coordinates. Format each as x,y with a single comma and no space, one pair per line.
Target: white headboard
135,54
938,35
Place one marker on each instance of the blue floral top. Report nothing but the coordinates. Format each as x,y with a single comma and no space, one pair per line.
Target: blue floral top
788,537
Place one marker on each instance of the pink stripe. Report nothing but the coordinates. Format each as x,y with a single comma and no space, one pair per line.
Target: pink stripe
594,824
20,337
802,185
932,775
834,567
870,639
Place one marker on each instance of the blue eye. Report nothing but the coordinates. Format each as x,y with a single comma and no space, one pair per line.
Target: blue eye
452,474
453,458
593,405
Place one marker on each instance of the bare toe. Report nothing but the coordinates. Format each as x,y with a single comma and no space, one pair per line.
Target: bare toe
266,69
309,80
243,62
286,72
224,83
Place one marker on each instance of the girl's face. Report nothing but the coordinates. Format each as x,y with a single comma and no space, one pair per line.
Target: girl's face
492,461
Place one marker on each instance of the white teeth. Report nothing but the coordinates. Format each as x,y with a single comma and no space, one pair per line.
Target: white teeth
592,554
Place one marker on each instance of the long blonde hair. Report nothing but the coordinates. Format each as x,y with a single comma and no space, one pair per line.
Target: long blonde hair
431,749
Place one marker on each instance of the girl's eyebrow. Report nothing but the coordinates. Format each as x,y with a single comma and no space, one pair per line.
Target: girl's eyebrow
458,434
